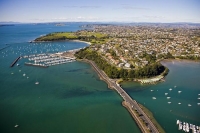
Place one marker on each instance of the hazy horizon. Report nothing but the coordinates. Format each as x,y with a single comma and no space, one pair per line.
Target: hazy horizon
40,11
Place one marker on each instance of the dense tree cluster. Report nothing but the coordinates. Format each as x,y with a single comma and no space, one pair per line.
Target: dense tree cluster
113,72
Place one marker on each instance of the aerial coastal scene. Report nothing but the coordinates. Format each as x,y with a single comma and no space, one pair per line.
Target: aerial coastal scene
100,66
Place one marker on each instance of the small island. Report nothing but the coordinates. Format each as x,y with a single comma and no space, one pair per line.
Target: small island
134,52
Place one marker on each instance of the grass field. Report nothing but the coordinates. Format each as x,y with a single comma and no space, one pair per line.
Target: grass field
92,37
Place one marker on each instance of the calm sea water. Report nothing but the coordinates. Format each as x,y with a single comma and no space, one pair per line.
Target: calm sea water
70,97
185,76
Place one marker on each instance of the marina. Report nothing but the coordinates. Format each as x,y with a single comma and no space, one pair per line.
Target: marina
46,60
186,127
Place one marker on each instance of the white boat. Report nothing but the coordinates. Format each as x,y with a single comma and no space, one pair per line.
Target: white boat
166,93
179,103
168,97
189,105
177,121
37,83
16,126
198,103
199,98
24,74
170,89
180,126
184,128
154,98
151,90
179,91
12,73
175,86
187,128
17,64
169,102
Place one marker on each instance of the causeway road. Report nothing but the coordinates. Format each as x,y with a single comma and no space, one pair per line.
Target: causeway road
112,83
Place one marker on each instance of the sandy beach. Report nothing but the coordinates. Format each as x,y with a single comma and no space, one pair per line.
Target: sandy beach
81,41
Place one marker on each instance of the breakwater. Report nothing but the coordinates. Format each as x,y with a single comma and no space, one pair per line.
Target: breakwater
4,47
15,61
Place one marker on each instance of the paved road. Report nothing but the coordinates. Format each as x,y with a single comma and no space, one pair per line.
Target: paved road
126,97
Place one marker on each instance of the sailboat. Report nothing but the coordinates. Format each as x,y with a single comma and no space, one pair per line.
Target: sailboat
37,82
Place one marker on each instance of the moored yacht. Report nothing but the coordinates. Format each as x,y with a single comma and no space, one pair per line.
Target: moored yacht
16,126
177,121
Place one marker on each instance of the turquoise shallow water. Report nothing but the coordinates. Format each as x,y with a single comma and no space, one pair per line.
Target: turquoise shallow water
69,98
185,75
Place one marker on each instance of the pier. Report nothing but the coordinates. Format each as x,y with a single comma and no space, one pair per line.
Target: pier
129,103
15,61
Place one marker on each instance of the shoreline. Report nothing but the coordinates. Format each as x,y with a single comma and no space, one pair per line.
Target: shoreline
183,60
67,40
81,41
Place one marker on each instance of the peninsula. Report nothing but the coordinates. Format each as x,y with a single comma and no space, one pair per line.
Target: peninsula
133,52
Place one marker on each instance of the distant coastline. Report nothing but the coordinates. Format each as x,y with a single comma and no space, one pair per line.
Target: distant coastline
1,25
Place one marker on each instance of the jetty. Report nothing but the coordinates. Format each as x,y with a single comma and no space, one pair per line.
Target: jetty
143,121
15,61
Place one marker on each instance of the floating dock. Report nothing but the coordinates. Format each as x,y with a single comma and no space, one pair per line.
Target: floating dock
37,65
15,61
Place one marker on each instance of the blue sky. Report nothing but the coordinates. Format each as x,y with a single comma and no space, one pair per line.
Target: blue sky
100,10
